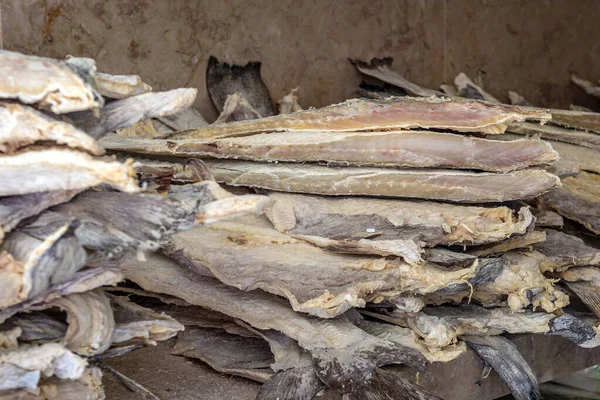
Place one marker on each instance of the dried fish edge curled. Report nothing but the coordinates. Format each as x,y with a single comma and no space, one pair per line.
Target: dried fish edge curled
120,86
68,169
55,87
21,126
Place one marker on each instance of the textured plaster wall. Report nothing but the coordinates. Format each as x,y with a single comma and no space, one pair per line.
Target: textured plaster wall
530,46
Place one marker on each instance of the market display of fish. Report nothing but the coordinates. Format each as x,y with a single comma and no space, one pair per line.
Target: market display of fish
344,240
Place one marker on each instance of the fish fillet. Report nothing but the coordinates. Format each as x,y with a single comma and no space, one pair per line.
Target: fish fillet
583,120
84,280
390,227
122,113
518,100
23,367
416,149
577,200
466,88
90,321
456,186
61,169
504,357
136,323
120,86
21,126
557,133
331,283
589,87
380,68
249,357
31,265
345,355
565,251
49,84
14,209
377,115
516,242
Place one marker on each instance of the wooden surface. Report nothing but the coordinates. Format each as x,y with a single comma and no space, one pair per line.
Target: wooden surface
528,46
173,377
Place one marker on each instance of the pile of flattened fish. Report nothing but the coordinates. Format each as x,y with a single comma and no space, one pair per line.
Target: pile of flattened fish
69,214
398,230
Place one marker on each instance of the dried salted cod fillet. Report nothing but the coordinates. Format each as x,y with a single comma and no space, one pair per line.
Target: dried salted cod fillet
577,200
418,149
61,169
223,80
580,138
588,159
365,115
344,354
379,92
23,367
83,281
272,261
38,326
113,221
142,129
87,387
126,112
547,219
448,258
237,108
134,322
587,121
391,227
120,86
449,90
32,265
575,107
249,357
589,87
565,251
14,209
517,242
442,325
188,118
502,355
409,338
289,103
524,284
466,88
517,282
564,169
585,283
21,126
89,318
286,352
380,68
49,84
518,100
457,186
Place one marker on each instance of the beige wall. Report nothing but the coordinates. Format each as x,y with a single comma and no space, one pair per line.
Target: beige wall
530,46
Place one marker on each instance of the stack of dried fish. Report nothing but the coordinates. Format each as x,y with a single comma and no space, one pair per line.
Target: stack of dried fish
66,216
396,234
